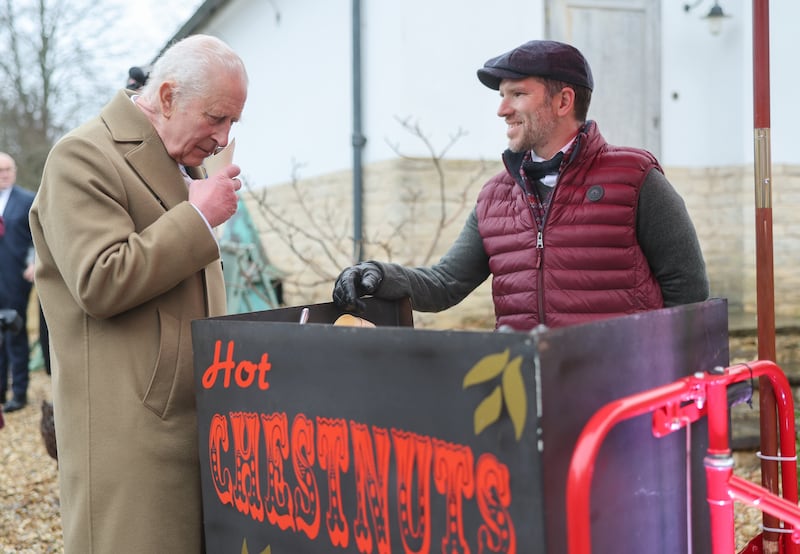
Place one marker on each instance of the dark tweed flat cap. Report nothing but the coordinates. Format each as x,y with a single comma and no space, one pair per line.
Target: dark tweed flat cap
538,58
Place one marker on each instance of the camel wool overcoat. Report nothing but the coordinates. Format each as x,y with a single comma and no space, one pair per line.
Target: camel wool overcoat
125,263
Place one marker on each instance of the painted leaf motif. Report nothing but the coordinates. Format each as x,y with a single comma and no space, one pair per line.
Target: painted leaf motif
488,411
514,394
267,550
487,368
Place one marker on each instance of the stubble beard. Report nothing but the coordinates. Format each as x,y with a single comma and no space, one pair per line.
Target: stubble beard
536,132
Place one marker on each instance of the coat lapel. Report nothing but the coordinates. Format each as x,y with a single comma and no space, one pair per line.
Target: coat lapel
147,155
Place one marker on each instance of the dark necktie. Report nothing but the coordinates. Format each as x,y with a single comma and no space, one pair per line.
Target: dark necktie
2,227
536,170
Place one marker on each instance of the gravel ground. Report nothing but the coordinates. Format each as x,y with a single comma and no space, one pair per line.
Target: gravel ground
747,518
29,517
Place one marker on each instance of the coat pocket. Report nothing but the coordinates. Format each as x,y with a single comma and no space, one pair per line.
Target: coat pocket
158,392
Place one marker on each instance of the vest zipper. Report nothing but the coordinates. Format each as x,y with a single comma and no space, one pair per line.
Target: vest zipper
540,277
540,247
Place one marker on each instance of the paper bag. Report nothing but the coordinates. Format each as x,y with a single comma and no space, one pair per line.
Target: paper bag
215,162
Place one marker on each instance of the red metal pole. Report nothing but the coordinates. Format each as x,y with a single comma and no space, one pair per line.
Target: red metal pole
581,470
723,486
719,472
765,294
675,406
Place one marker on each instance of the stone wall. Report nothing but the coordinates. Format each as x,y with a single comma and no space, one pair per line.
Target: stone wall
721,202
414,208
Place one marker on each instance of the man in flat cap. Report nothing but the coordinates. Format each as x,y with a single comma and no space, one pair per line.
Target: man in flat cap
574,230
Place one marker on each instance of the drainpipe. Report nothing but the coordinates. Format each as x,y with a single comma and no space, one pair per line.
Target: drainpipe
359,140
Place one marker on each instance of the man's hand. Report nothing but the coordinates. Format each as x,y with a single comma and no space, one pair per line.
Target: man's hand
353,283
215,197
29,272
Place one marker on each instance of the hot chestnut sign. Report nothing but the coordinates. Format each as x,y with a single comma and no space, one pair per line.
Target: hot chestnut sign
318,438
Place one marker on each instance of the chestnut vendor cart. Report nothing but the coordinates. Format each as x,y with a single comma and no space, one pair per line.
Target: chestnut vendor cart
321,438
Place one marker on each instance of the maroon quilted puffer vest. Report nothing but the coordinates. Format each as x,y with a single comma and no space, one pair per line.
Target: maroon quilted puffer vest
588,264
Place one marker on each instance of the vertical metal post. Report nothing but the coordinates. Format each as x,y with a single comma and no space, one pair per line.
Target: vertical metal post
765,294
359,140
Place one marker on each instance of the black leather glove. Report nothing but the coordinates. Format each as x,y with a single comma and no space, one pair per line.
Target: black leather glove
353,283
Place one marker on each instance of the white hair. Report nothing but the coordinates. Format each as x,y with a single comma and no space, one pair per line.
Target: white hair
191,65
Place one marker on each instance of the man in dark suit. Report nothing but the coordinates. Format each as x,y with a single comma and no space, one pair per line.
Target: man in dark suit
16,256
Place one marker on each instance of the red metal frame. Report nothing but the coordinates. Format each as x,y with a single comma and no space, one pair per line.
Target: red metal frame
673,407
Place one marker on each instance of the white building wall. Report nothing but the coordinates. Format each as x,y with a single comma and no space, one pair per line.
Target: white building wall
707,96
702,98
298,106
419,61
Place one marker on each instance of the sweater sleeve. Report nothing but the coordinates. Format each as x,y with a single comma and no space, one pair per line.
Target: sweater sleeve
669,241
433,289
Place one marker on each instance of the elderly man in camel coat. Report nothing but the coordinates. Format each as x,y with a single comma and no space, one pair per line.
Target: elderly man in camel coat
128,259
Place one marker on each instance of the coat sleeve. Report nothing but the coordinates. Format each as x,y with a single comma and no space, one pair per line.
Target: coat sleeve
443,285
113,243
669,241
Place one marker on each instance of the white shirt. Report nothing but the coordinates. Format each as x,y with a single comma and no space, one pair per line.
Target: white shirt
4,195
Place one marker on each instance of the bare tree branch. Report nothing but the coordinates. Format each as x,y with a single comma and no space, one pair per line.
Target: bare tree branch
52,55
296,236
436,160
317,234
